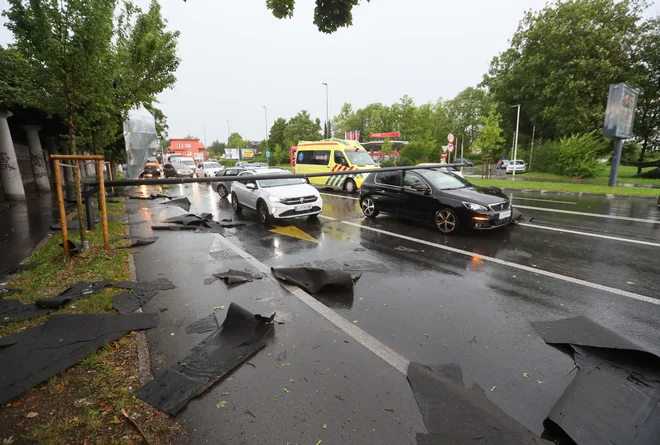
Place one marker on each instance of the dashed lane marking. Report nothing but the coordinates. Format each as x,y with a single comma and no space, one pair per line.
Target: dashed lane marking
594,215
544,200
533,270
595,235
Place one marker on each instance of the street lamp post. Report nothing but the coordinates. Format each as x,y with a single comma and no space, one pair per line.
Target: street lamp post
327,113
228,133
266,130
515,146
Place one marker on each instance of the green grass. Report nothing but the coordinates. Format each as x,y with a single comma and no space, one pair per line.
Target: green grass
626,174
566,187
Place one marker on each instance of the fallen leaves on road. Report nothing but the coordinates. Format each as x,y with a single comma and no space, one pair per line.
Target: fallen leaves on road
286,390
525,374
325,425
221,404
31,414
630,282
285,364
493,388
355,322
218,308
59,388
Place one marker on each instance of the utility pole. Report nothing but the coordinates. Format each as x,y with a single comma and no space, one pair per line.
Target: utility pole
327,112
266,130
532,150
462,158
228,134
515,146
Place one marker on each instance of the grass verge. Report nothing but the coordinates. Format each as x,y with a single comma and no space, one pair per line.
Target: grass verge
626,175
83,404
566,187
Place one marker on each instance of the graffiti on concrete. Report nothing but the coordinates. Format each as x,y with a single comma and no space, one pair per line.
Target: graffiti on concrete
4,162
38,166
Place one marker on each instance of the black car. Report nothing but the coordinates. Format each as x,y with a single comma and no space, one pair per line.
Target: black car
463,161
432,195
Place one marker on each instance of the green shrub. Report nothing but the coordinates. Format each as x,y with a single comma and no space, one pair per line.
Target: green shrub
579,154
405,162
387,163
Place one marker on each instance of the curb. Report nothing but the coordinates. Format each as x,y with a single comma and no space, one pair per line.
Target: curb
580,194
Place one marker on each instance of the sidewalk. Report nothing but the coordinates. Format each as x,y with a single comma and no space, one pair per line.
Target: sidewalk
23,225
312,383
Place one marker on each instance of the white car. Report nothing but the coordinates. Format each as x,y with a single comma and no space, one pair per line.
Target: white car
519,165
276,198
451,170
208,169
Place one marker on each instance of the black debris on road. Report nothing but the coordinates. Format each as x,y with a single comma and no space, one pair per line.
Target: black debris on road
234,277
136,241
313,279
184,203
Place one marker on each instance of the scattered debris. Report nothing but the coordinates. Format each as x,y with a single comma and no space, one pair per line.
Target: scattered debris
137,241
232,276
247,411
184,203
8,271
137,427
206,324
31,415
74,248
173,228
221,404
325,425
151,196
139,294
615,395
238,339
36,354
80,289
473,416
313,279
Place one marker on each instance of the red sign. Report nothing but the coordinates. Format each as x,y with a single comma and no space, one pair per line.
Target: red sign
450,147
393,134
444,158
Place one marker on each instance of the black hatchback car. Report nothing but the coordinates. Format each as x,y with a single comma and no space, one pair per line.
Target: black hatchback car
432,195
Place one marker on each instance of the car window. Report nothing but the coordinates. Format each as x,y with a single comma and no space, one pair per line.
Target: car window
180,166
232,172
444,181
412,180
221,173
360,157
168,165
339,158
389,178
313,157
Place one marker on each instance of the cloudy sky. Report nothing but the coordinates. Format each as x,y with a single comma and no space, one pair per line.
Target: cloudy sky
237,57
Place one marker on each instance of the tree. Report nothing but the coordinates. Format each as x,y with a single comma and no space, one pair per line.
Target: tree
490,138
217,148
236,141
68,45
561,62
386,148
647,79
276,136
329,15
280,155
465,111
190,136
302,128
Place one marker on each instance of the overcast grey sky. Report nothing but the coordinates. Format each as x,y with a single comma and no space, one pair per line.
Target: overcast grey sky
237,57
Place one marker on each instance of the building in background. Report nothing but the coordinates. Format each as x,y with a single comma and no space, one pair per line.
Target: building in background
189,148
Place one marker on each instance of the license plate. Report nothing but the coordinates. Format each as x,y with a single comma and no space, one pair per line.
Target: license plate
506,214
304,207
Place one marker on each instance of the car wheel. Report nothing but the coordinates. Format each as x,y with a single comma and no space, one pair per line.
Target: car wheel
349,186
446,221
262,210
235,204
369,208
222,191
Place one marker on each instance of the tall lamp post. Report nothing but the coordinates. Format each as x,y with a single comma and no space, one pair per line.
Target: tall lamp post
515,146
228,134
327,113
266,130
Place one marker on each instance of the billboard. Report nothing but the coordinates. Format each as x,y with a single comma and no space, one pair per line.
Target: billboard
620,112
247,153
392,134
232,154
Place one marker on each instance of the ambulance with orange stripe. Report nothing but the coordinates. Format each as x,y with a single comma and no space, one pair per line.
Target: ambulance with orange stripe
333,155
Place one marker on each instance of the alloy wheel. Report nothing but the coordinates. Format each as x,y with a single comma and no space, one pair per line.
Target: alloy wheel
368,207
445,221
263,213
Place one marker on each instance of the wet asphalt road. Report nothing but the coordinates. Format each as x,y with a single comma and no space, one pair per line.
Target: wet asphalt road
466,299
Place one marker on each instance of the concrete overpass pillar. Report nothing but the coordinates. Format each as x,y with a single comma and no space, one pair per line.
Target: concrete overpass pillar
37,158
10,175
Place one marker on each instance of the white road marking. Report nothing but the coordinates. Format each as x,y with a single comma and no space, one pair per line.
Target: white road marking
595,215
339,196
533,270
596,235
383,351
543,200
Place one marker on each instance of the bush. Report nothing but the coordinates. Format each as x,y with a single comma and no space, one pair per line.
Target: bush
387,163
405,162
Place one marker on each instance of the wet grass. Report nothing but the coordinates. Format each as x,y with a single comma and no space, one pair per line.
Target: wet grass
626,175
566,187
83,404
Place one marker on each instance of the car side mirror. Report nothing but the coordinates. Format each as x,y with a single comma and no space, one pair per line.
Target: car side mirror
251,186
423,188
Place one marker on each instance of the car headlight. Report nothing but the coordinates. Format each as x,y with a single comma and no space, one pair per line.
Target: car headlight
475,207
274,199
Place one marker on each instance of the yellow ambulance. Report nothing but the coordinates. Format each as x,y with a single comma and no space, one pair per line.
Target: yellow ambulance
333,155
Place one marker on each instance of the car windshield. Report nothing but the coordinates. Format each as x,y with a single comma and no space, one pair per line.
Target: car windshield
179,166
266,183
359,158
188,162
444,181
211,165
518,162
152,159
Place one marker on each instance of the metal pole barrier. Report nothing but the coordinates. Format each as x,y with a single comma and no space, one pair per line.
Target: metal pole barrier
110,177
76,177
104,211
60,203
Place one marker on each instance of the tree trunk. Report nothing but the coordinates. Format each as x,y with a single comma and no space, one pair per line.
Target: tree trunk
72,134
641,155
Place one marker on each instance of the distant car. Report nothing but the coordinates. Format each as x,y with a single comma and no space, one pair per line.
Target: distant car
190,162
434,196
243,164
519,166
208,169
451,170
151,169
259,165
465,161
276,198
178,170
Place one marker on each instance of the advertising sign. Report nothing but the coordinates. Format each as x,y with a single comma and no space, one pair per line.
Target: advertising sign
247,153
620,112
392,134
232,154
